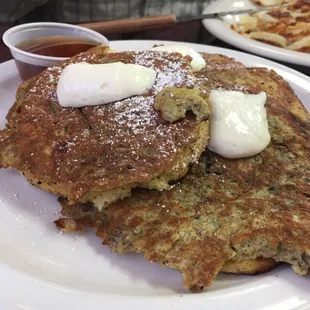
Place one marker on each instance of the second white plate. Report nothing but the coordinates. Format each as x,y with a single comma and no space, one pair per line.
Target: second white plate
220,28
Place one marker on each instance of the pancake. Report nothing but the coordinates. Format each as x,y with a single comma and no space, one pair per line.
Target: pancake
100,153
224,214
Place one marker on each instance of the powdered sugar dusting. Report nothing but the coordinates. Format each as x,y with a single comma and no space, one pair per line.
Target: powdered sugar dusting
174,70
135,113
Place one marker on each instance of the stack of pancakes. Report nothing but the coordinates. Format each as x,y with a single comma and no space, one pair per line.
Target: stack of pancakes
139,173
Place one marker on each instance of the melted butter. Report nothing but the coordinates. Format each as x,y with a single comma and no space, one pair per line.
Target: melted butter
84,84
239,126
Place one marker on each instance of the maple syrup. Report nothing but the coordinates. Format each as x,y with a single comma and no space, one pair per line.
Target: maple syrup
55,46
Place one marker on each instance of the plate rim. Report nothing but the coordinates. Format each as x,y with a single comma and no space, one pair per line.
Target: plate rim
169,302
221,30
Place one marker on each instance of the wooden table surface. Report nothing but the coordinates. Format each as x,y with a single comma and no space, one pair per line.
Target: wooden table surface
192,32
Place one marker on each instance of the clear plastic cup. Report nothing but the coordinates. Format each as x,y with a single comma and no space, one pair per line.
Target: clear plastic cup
29,64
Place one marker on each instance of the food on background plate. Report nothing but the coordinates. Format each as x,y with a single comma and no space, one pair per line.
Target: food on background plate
242,209
236,215
273,2
287,27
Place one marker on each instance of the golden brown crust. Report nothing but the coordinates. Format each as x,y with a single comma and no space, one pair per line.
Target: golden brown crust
249,266
67,225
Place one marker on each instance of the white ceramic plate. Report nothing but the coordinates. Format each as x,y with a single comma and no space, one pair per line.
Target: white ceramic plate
220,28
40,268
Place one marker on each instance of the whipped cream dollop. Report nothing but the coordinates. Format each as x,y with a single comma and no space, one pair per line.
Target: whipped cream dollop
84,84
239,126
197,62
